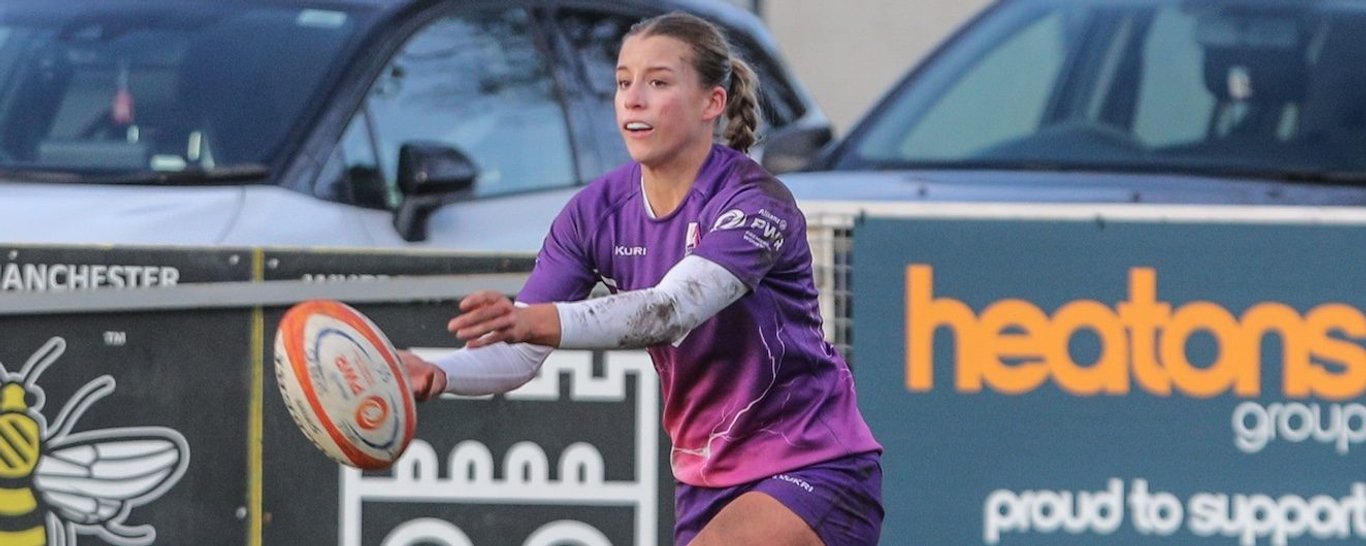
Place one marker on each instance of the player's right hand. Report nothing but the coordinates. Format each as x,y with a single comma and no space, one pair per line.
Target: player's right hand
425,379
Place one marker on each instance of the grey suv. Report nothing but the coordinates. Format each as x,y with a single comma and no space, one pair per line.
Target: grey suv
358,123
1167,101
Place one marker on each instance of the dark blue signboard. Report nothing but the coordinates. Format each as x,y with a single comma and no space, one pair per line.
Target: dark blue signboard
130,426
1069,382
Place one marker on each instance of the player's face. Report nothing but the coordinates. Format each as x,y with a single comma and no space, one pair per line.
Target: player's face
662,108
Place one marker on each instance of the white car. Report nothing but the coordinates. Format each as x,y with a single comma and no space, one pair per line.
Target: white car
1236,102
368,123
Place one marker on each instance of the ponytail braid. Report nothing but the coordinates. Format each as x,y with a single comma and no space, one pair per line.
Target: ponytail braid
742,106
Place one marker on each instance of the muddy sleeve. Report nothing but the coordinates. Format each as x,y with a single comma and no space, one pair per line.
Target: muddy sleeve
691,292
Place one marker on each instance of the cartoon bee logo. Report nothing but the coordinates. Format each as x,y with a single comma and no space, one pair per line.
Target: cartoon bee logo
55,483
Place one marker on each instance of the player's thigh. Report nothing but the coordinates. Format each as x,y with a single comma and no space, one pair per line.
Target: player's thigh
756,519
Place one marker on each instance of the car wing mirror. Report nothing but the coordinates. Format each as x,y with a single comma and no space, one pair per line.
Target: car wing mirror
793,148
430,175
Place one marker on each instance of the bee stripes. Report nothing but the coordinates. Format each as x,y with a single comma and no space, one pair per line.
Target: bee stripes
16,499
53,479
21,523
19,446
33,536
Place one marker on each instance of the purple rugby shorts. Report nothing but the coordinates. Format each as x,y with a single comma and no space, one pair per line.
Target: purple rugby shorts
840,499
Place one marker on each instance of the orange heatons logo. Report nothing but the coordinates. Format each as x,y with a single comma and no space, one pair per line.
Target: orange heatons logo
1014,347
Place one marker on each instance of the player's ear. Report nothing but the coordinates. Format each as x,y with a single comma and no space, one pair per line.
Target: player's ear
716,103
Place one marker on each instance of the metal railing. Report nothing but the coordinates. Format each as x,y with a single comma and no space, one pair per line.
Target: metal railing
831,236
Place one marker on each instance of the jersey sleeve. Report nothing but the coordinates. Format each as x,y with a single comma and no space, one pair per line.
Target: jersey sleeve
749,234
564,269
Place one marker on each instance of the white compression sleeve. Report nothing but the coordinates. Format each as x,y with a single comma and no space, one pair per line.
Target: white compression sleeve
691,292
493,369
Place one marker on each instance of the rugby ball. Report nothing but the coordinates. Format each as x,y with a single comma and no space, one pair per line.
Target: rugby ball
343,384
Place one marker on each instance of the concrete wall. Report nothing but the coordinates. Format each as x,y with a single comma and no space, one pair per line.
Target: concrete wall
849,53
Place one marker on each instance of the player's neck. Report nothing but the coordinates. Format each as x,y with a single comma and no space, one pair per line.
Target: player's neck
667,184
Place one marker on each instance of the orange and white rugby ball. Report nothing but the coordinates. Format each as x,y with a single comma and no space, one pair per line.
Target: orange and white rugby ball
344,384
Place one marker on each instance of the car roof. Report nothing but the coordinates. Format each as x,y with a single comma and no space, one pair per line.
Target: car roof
725,13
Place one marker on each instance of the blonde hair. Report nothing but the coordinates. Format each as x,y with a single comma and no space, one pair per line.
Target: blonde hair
715,66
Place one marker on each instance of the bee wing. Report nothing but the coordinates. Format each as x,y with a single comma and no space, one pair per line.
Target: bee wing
94,477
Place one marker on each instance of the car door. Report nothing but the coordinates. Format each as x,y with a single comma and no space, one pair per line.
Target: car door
479,81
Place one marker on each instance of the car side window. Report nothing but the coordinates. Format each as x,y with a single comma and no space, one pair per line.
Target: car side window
353,173
595,38
1020,72
476,82
1173,104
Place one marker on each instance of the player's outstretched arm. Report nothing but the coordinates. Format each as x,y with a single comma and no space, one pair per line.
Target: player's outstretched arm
691,292
481,371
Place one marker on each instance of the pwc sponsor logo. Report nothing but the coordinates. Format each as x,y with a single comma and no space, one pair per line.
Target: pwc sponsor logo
1013,347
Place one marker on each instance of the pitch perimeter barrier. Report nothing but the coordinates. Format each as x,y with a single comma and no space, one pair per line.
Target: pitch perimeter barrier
151,416
1114,375
1039,375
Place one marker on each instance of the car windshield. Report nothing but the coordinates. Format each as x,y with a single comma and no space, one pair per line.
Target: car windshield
112,87
1211,86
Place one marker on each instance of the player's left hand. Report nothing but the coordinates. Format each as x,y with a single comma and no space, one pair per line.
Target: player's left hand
489,317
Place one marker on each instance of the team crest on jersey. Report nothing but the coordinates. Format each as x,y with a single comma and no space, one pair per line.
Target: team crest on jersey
730,219
55,483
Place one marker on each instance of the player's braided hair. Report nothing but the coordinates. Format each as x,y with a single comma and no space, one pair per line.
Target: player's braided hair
715,65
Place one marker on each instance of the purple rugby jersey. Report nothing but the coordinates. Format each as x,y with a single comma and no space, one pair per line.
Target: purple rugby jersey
755,390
